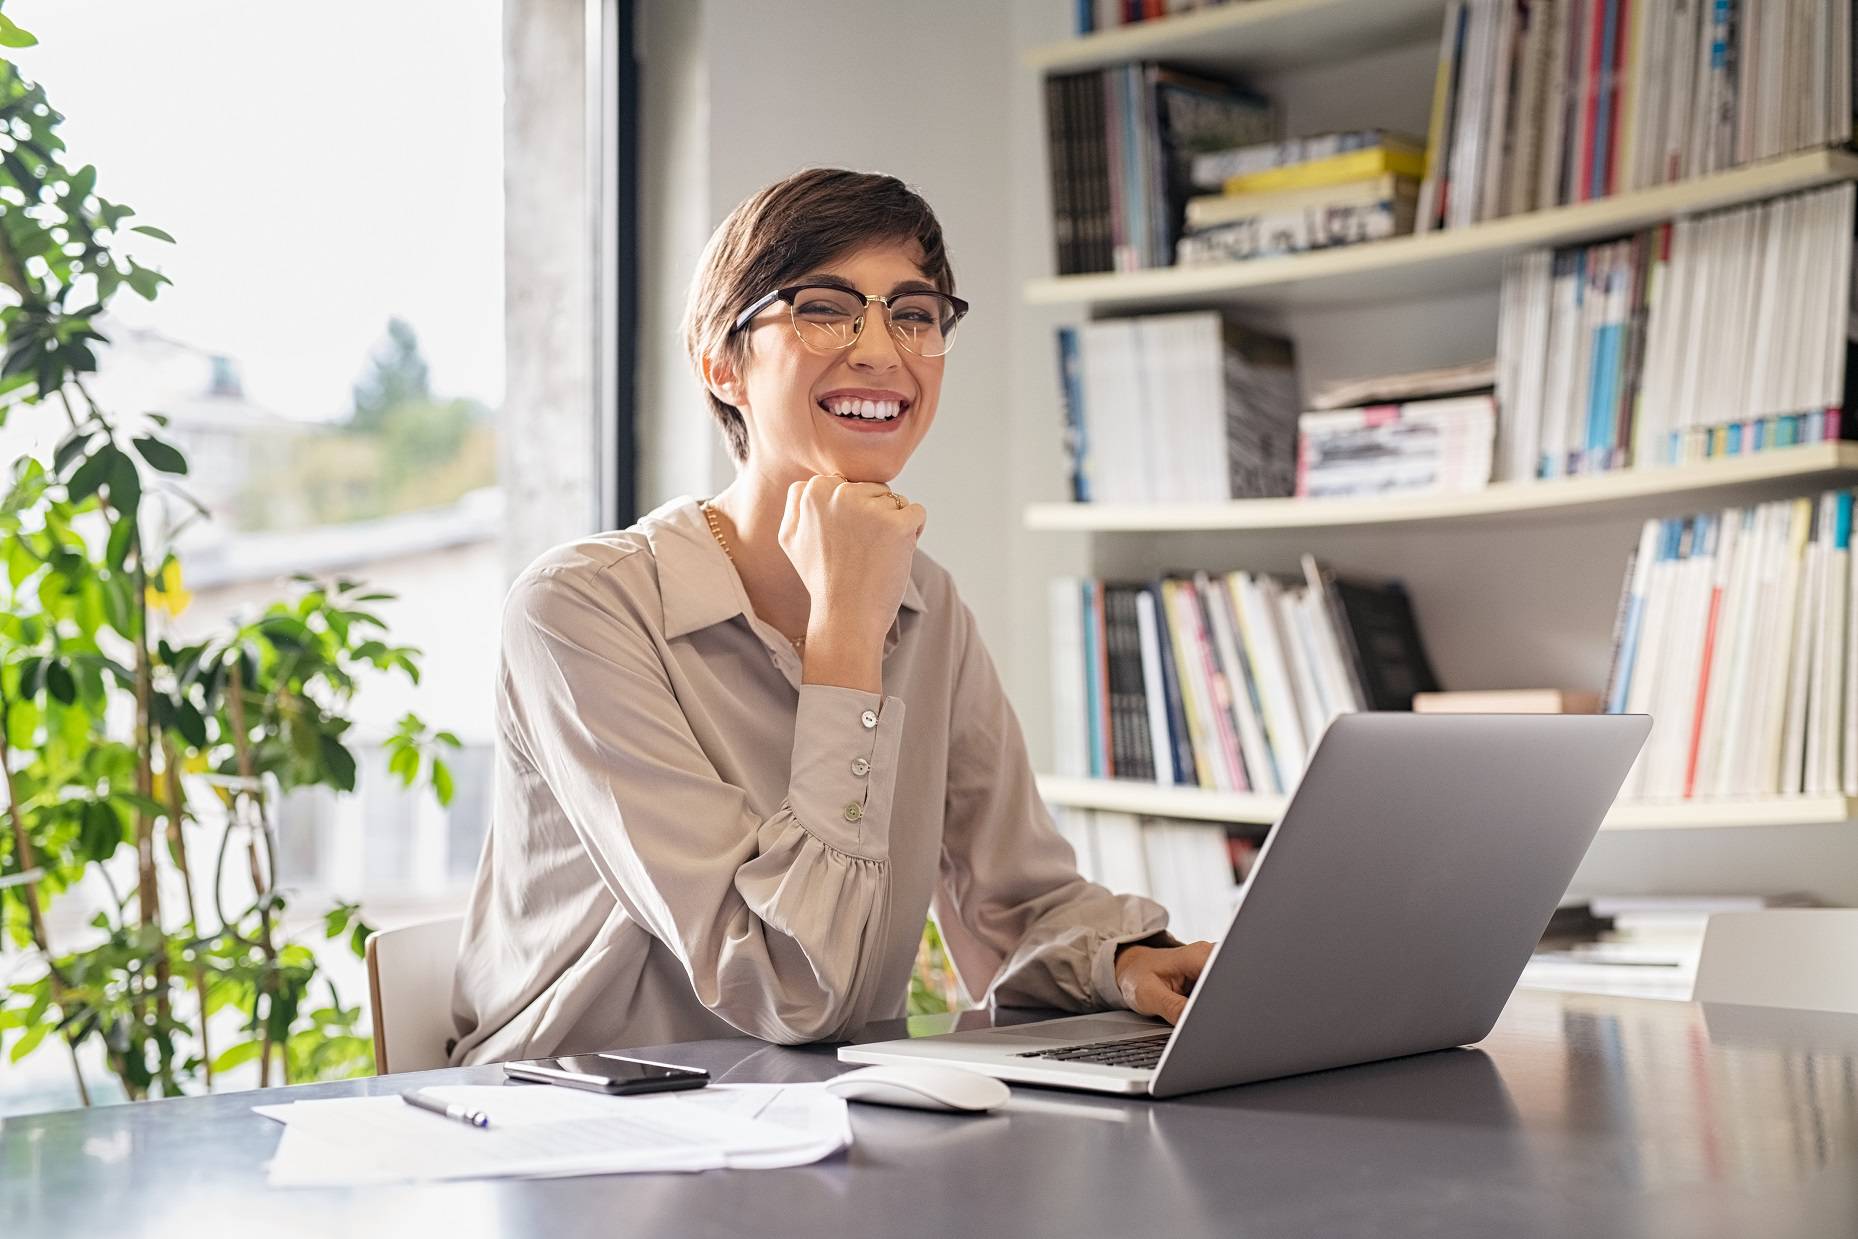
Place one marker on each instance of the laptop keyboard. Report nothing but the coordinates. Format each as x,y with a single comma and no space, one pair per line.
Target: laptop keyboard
1132,1052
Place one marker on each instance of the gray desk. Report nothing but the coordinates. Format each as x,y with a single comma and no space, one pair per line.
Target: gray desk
1578,1116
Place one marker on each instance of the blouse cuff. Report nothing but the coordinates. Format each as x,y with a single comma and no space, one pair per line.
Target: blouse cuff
843,777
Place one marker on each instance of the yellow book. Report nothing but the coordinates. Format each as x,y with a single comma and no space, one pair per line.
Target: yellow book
1397,158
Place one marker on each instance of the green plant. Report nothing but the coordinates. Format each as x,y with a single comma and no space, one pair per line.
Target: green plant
113,738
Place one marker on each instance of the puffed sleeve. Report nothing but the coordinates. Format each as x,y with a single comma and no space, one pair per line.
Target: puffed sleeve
777,920
1020,923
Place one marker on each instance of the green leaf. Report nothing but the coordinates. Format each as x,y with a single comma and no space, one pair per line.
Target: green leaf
339,762
28,1043
59,684
446,737
136,800
336,919
405,763
163,456
189,722
12,36
91,474
122,535
149,230
125,485
73,446
102,831
145,282
242,1053
442,781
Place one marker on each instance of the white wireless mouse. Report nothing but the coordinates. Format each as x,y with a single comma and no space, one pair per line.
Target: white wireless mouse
949,1089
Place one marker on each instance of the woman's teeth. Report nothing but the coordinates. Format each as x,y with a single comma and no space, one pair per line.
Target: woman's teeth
870,410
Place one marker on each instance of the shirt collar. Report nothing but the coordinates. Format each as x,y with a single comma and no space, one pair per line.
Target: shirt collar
696,579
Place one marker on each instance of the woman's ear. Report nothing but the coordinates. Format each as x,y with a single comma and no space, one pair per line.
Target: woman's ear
723,381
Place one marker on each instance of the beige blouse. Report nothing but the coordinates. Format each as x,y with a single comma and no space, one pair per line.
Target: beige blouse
688,842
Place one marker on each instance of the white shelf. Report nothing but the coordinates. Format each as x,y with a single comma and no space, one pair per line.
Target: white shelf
1251,36
1124,796
1622,493
1454,260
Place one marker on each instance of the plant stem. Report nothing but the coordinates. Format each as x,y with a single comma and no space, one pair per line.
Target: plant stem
148,888
241,739
177,847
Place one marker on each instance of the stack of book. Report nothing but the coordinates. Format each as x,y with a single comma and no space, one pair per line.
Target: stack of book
1196,870
1538,103
1120,141
1735,633
1223,682
1177,407
1309,193
1711,336
1094,15
1420,447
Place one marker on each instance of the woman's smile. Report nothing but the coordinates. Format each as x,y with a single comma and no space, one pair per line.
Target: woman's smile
865,410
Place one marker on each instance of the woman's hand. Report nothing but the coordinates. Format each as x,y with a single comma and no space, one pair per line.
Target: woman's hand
1156,980
852,547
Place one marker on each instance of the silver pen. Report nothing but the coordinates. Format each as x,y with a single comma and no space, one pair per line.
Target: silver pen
471,1118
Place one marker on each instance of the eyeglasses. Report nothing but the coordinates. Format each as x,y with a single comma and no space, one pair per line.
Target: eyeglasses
828,317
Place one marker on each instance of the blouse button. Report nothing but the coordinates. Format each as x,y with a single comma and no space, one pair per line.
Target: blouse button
860,766
854,811
870,719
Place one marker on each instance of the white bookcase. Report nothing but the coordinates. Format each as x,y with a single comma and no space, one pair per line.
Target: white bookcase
1516,585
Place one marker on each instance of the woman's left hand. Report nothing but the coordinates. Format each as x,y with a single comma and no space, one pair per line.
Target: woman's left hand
1156,980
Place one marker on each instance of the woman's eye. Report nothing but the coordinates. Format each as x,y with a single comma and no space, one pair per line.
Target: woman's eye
916,318
820,309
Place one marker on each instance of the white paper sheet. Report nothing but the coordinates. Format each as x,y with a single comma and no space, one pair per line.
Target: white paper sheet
543,1130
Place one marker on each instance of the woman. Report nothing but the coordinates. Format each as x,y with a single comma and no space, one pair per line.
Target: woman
745,744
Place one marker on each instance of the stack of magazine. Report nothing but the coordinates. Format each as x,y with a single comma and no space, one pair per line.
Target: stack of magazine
1735,633
1305,194
1712,336
1119,144
1424,432
1223,682
1538,103
1180,407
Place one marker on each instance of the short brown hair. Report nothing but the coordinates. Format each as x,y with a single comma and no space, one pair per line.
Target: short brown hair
787,230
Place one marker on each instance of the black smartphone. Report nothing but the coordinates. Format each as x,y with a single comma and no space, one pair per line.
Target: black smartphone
607,1073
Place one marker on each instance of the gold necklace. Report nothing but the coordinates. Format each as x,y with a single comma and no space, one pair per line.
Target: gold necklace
716,531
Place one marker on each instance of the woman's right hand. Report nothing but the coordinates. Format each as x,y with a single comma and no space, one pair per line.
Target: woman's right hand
852,547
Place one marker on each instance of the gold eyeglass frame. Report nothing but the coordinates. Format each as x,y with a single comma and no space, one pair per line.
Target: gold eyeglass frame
792,291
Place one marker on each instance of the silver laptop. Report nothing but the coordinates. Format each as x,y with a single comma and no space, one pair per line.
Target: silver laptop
1390,912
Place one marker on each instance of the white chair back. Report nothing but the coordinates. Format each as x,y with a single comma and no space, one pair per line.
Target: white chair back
410,993
1781,957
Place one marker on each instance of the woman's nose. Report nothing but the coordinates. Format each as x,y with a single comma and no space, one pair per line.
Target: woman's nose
874,349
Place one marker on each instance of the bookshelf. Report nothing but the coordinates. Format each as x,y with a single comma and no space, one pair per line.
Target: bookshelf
1482,564
1636,493
1455,260
1198,804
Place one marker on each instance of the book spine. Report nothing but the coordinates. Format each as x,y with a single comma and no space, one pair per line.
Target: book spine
1058,162
1179,737
1076,437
